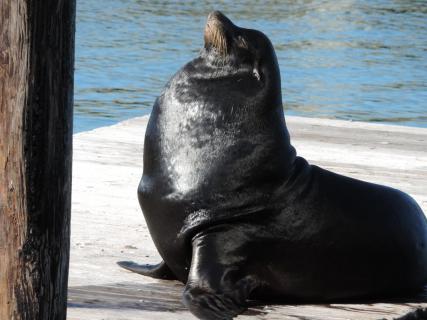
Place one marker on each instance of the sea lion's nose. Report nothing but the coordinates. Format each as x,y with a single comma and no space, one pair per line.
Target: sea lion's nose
218,30
218,17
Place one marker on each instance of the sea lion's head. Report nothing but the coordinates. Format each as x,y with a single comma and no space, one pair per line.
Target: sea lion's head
237,66
229,44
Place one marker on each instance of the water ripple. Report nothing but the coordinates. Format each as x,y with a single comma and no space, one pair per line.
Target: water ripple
357,60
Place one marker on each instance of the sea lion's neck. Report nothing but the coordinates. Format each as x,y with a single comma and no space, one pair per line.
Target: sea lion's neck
285,152
232,126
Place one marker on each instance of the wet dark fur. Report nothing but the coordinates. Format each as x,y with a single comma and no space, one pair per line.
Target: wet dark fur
235,214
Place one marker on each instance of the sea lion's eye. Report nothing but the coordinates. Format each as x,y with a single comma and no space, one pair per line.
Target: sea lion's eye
256,74
241,42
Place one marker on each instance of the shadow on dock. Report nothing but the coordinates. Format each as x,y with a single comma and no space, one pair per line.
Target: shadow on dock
165,296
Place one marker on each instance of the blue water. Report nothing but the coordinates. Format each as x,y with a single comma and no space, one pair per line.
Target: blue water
357,60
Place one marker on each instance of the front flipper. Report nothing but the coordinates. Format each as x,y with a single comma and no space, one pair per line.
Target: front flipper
157,271
218,285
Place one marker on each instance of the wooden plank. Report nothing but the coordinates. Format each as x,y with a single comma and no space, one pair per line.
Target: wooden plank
164,297
108,226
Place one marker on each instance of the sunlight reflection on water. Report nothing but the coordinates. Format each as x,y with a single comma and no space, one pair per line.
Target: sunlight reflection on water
358,60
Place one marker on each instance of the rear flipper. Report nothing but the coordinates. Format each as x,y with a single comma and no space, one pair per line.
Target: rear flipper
157,271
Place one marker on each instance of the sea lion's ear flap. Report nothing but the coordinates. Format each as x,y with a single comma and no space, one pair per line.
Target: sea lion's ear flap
241,42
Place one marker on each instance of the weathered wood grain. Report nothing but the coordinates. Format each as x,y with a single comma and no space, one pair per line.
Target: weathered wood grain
107,224
14,53
36,105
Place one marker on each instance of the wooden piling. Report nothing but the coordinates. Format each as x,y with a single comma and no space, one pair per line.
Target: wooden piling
36,98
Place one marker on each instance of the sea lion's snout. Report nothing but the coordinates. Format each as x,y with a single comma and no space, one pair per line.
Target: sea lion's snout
218,16
217,30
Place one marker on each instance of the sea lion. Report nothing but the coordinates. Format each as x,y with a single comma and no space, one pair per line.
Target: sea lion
237,215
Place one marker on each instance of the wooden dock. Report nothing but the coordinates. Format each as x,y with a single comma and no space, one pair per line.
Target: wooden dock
108,226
